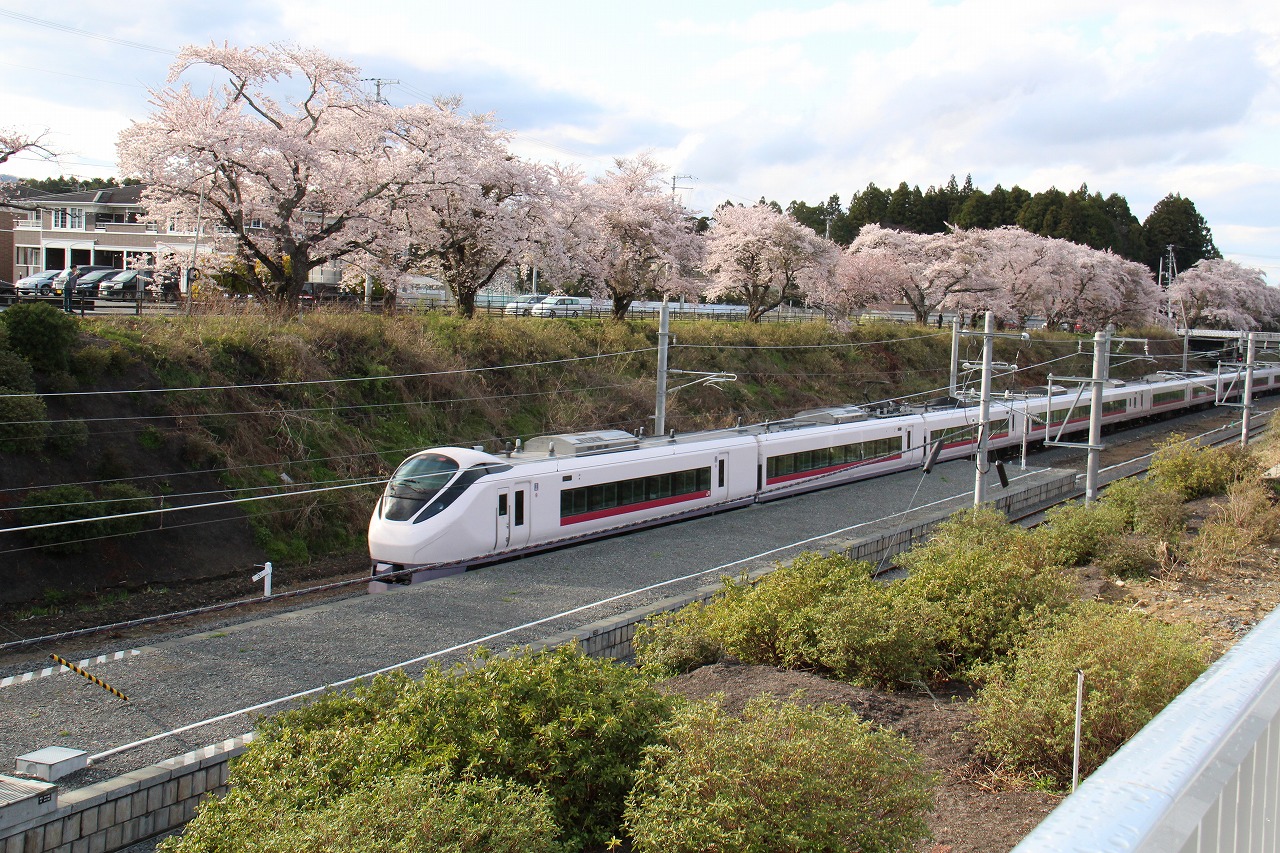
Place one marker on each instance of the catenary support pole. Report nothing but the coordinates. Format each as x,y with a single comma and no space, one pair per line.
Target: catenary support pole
984,412
1248,389
1101,347
664,338
955,354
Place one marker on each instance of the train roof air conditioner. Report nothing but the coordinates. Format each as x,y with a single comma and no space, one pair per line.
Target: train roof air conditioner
832,415
582,443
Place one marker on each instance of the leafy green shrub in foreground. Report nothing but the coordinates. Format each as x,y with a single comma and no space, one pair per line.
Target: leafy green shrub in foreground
558,720
15,372
782,778
402,813
1134,665
979,582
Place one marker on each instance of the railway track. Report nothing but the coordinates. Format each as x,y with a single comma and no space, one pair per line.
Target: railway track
1118,461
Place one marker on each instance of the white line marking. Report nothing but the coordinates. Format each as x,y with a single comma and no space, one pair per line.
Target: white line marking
56,670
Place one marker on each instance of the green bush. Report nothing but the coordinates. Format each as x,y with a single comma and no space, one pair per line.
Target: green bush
775,621
402,813
1133,666
23,421
558,721
42,334
820,613
676,642
1195,471
979,582
66,437
782,778
1075,533
15,372
73,503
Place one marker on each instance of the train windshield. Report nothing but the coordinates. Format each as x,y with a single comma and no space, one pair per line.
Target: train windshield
414,483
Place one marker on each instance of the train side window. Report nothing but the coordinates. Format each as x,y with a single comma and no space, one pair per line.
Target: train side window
502,504
519,519
720,480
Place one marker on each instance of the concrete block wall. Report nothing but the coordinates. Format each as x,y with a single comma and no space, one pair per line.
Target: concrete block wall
113,814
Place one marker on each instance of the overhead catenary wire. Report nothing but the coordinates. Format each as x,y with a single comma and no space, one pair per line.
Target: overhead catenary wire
336,381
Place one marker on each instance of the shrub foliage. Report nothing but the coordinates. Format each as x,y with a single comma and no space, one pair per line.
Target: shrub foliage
1133,667
405,813
557,721
979,581
784,777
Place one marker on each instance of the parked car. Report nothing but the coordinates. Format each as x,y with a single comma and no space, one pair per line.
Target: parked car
523,305
38,284
8,292
124,285
71,276
561,306
87,284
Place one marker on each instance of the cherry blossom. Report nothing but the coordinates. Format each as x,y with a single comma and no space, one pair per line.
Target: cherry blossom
764,258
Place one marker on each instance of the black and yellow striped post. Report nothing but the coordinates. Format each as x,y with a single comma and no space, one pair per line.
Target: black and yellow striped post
98,681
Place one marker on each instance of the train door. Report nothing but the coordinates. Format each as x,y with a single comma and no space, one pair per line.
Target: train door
720,477
513,517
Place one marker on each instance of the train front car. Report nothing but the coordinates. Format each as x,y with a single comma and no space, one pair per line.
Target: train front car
423,519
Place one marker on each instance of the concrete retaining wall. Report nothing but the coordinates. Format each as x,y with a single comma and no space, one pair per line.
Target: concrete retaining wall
112,815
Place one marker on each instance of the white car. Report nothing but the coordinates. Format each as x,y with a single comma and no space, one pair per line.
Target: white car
523,305
562,306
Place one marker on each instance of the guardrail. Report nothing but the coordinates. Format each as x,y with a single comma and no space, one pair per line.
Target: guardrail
1202,777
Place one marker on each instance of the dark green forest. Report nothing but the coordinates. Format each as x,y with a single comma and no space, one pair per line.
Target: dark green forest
1081,216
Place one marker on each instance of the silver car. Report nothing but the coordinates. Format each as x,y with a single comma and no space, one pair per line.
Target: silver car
38,284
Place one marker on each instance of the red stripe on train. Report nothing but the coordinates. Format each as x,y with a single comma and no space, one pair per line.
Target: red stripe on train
817,472
623,510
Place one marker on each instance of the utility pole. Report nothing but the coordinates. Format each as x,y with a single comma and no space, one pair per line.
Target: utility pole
674,187
664,342
984,411
955,355
1101,351
1248,390
378,83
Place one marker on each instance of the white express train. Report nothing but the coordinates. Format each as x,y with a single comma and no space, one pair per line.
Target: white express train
449,508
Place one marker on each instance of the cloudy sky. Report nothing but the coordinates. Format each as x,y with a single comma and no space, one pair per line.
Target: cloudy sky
743,99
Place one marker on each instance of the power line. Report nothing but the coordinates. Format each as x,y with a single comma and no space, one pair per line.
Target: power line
53,25
337,381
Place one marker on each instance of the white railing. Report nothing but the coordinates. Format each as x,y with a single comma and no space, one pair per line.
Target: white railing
1202,777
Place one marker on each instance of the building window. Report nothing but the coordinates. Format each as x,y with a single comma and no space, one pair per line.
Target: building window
71,218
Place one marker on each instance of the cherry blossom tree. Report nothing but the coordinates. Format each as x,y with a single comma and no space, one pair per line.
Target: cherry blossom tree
764,258
641,241
1223,294
1021,266
1094,288
934,270
291,160
14,142
859,279
493,215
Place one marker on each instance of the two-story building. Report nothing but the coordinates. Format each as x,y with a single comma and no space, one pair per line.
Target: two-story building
105,227
101,227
